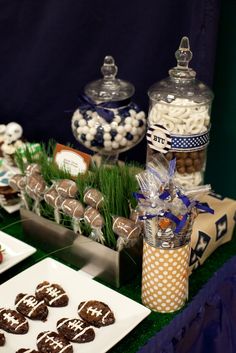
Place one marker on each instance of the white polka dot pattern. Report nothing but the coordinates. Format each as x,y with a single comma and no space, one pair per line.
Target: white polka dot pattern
165,278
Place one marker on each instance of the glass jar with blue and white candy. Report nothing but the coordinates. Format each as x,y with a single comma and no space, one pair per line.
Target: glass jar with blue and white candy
107,121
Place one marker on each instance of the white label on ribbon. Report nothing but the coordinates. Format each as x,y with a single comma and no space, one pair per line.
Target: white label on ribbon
162,141
158,138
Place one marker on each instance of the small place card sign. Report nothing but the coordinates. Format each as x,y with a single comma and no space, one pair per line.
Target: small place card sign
71,160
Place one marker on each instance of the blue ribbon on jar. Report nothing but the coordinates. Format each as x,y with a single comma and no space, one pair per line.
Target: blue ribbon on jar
103,109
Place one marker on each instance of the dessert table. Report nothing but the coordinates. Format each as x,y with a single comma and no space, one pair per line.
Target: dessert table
207,320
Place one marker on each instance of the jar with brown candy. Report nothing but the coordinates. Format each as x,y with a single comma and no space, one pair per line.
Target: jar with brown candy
179,119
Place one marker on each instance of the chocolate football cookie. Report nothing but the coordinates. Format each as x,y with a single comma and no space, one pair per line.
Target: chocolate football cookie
26,350
29,306
96,313
13,322
2,339
75,330
52,342
52,294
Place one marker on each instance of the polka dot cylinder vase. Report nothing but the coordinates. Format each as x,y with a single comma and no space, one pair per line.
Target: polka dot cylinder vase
179,119
165,277
107,121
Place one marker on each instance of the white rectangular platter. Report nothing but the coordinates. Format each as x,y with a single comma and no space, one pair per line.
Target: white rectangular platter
14,251
128,313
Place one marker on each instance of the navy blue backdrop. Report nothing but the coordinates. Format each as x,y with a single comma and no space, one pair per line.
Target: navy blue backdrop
49,49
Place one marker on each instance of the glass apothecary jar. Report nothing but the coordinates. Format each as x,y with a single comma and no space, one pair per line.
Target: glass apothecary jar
107,121
179,119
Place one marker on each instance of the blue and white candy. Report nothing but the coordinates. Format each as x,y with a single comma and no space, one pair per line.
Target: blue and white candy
126,129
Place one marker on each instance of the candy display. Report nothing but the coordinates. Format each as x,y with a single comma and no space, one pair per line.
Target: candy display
179,119
52,197
93,198
66,188
32,168
127,230
75,210
55,200
168,213
96,221
106,120
35,188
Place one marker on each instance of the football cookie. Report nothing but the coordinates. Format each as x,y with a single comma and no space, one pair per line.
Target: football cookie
52,342
96,313
13,322
29,306
26,350
2,339
75,330
52,294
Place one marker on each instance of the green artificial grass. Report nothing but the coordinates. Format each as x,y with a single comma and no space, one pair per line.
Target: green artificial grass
155,321
117,183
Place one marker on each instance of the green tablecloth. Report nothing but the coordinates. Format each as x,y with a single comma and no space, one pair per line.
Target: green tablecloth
11,224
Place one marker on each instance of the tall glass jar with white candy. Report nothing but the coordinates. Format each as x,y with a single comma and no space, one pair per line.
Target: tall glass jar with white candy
107,121
179,119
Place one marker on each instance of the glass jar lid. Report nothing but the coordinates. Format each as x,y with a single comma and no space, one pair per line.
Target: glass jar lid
181,82
109,88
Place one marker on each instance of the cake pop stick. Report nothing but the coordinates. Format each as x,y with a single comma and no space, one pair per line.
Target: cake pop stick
18,183
96,221
75,210
55,200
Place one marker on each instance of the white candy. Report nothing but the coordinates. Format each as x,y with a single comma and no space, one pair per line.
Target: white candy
128,127
132,113
118,137
181,116
80,130
115,144
120,129
188,180
107,136
89,137
134,131
107,128
117,119
93,131
128,121
114,125
107,143
135,123
140,115
82,122
85,129
92,122
123,142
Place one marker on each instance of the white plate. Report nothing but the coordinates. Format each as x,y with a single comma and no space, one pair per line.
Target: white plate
127,312
14,251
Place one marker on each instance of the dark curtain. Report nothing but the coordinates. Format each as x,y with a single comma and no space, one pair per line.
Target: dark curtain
51,48
208,324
